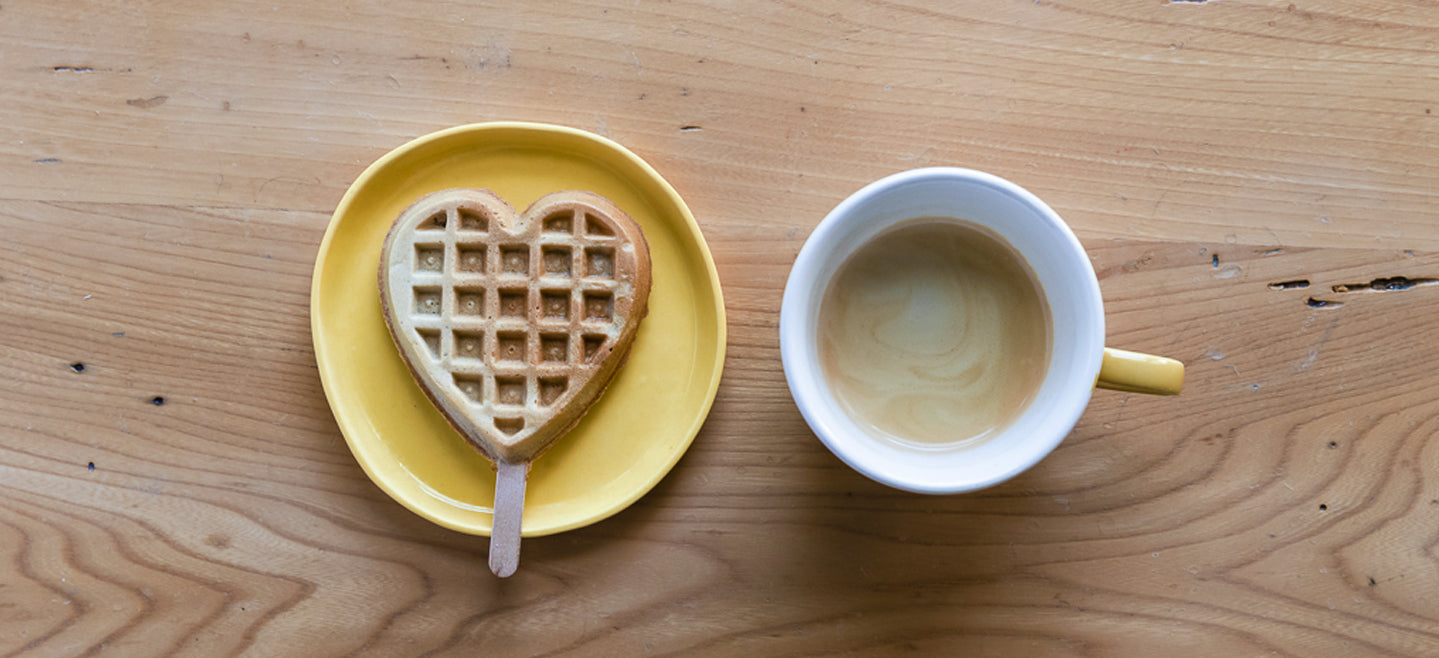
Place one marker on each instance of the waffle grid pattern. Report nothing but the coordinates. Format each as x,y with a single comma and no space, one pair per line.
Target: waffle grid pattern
513,323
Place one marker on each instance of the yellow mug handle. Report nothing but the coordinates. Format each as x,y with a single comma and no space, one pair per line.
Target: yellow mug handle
1140,373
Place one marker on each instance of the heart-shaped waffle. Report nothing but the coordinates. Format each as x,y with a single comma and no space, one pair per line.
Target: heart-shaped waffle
513,324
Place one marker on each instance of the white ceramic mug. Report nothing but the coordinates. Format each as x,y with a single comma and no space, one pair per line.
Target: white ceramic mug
1078,358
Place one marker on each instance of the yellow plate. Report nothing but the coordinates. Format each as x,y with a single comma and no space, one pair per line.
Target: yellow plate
630,438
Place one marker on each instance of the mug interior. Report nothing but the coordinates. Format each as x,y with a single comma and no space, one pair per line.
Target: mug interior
1070,289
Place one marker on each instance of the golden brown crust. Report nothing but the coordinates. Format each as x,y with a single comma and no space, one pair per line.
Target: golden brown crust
514,324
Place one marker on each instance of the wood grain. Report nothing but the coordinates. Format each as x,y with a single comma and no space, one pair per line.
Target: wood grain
167,171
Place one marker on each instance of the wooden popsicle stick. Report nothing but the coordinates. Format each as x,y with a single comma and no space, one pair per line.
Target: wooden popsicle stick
509,509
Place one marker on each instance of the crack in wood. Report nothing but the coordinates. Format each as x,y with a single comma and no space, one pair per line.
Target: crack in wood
71,68
1289,285
147,103
1385,284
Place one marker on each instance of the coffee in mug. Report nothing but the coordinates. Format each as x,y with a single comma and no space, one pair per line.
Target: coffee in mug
934,334
942,331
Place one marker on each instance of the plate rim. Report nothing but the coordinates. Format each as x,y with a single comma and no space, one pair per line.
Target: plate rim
695,235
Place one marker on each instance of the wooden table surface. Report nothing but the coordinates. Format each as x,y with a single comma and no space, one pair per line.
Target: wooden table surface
167,170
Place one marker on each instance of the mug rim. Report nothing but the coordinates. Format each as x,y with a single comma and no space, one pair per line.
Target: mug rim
801,368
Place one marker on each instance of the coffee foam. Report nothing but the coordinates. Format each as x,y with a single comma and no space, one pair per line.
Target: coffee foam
934,334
